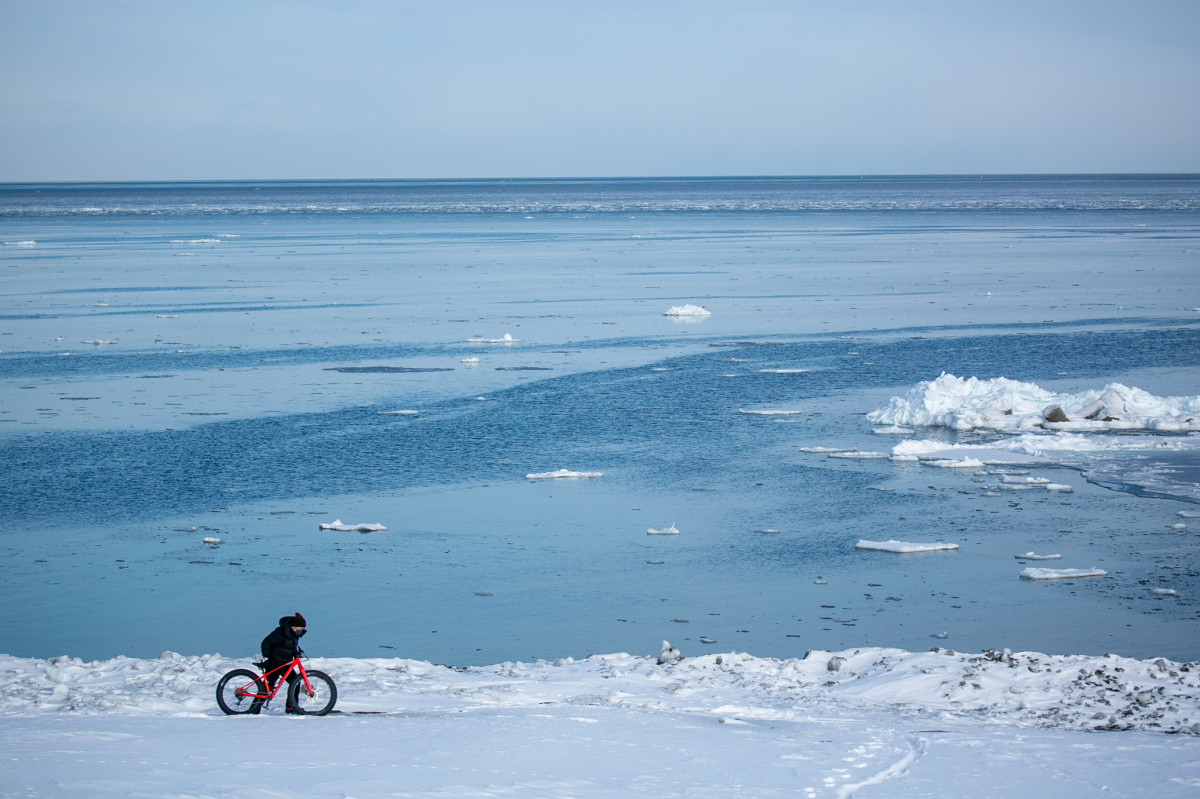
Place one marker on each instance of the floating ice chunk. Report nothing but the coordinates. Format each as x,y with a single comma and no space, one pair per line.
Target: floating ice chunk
98,342
1187,514
768,412
904,547
398,413
687,310
961,463
857,455
1062,488
1033,573
1003,404
823,450
560,474
1180,526
1033,481
507,339
470,361
768,530
782,371
1164,591
23,243
672,530
208,539
893,430
1033,556
346,528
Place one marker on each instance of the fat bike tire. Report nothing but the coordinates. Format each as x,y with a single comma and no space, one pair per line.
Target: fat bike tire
322,700
229,696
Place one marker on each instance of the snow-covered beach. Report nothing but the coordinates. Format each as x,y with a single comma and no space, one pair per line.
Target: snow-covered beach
864,722
277,361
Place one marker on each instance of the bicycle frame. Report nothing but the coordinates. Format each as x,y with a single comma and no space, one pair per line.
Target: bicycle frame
250,689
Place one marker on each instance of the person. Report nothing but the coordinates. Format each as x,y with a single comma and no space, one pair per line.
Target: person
279,647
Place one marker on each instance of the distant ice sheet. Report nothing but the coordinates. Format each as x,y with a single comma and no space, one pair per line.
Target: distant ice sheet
1011,405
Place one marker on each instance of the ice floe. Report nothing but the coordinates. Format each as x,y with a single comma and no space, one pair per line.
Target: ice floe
1034,573
398,413
768,412
562,474
905,547
687,310
506,339
672,530
337,525
1034,556
1011,405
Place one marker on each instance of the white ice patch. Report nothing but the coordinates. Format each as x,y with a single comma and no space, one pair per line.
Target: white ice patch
398,413
346,528
782,371
1011,405
905,547
1034,556
1034,573
562,474
768,412
687,310
507,339
672,530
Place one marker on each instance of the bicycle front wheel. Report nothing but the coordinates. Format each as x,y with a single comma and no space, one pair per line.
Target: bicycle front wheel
322,698
236,691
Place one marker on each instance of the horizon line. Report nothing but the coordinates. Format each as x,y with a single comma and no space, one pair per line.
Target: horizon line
563,178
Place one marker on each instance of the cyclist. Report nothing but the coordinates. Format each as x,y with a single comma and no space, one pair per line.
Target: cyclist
279,647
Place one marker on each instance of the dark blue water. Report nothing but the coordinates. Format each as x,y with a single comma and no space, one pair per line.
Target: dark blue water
255,338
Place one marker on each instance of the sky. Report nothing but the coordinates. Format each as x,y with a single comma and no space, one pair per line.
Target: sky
278,89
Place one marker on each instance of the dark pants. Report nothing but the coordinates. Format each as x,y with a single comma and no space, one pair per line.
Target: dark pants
270,680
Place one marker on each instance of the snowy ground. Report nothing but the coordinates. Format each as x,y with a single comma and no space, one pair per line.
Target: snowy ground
870,722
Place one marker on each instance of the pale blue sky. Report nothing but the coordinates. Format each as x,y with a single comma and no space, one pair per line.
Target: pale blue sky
217,89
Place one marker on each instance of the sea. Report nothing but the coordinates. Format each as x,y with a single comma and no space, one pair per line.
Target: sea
196,377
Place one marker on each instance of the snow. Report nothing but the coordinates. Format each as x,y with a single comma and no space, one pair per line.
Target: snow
337,525
1011,405
859,722
687,310
1033,573
904,546
562,474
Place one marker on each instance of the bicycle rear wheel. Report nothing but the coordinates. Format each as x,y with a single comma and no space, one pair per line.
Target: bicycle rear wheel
236,690
322,699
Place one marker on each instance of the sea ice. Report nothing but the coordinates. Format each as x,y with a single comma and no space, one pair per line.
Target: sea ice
560,474
904,547
687,310
672,530
768,412
398,413
345,528
1033,556
1003,404
507,339
1033,573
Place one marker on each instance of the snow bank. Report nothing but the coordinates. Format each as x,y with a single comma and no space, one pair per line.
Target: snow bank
1077,692
904,547
1003,404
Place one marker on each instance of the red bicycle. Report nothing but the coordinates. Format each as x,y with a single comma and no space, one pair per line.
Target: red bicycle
311,692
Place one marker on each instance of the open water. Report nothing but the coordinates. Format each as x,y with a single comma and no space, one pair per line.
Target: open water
226,360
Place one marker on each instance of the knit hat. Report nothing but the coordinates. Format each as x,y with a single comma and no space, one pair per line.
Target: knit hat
297,621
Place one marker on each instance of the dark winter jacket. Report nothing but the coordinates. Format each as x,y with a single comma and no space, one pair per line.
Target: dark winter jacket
282,644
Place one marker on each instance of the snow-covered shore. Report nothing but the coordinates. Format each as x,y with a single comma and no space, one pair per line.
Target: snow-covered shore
865,722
